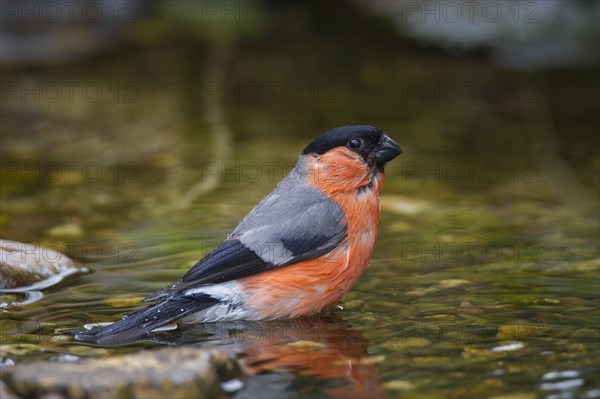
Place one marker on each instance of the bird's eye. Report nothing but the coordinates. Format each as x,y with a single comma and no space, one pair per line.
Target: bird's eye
355,144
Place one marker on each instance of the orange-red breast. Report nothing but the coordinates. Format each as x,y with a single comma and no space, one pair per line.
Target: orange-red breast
299,250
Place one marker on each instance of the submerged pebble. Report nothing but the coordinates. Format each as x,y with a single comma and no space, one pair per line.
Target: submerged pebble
587,265
403,205
123,300
87,350
20,349
519,329
468,308
452,283
67,231
481,354
399,385
430,361
398,344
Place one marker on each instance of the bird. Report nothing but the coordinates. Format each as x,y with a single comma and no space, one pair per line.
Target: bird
298,251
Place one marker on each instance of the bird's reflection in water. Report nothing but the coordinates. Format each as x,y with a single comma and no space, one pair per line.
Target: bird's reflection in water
318,355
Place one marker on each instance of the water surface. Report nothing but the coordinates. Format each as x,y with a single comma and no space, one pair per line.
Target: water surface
484,280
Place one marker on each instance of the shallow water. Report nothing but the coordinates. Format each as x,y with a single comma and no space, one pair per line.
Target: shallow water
484,280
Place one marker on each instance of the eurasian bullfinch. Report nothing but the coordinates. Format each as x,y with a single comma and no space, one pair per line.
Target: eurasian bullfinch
299,250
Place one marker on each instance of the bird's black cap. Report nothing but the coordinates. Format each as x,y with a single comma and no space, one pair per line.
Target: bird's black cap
339,137
368,141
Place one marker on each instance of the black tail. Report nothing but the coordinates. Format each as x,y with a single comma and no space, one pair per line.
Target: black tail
144,320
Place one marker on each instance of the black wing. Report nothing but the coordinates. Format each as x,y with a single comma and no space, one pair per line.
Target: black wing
293,223
228,261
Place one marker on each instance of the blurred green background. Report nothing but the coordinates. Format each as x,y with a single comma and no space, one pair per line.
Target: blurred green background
135,135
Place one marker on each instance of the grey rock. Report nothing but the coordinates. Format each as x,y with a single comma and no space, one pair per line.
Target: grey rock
6,393
26,267
182,372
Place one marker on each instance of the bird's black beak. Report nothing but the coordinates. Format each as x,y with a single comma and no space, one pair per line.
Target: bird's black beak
386,150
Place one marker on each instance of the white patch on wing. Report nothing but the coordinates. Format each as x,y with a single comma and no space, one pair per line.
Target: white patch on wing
220,312
231,306
228,291
271,252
